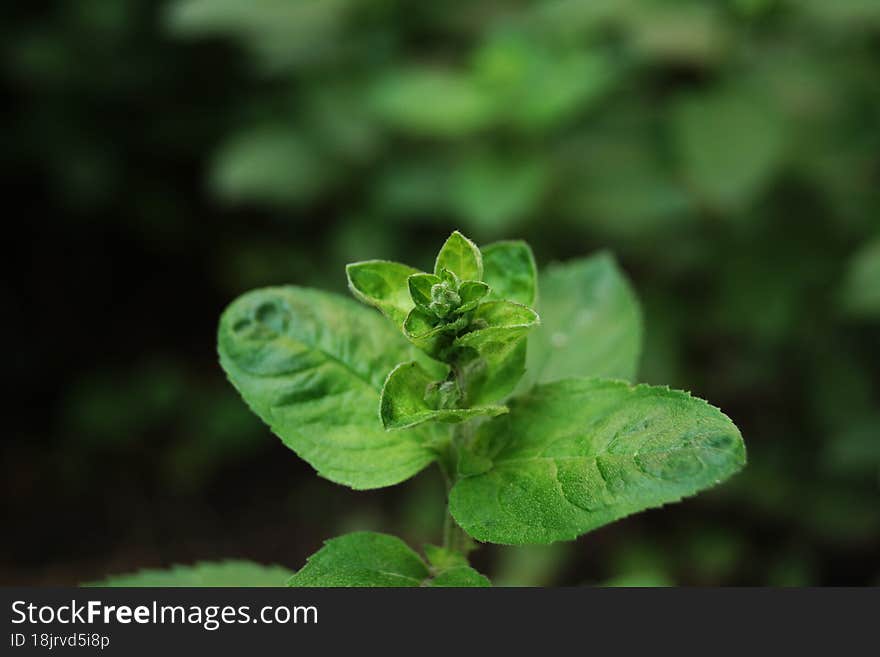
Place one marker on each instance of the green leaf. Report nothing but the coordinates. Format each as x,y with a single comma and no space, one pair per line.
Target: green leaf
274,164
203,574
499,349
861,287
429,333
431,102
420,289
510,271
471,292
369,559
729,143
312,365
539,86
460,256
461,577
493,192
472,464
591,323
444,559
383,285
281,36
406,396
451,569
574,455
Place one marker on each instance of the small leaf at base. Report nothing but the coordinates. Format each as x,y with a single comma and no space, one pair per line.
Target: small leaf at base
369,559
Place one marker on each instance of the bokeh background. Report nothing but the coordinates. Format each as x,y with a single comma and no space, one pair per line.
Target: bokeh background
161,158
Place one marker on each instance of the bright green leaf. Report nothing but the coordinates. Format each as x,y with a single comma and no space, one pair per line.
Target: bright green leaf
444,559
449,277
471,292
420,289
368,559
428,333
509,270
203,574
407,393
499,349
574,455
591,323
383,285
463,576
460,256
312,365
470,463
451,569
500,315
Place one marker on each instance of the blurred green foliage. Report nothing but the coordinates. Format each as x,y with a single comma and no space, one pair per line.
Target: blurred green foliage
727,151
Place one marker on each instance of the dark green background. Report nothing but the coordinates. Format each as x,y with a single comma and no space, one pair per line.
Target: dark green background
162,158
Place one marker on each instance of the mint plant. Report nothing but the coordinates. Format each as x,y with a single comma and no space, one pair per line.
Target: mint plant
520,399
522,402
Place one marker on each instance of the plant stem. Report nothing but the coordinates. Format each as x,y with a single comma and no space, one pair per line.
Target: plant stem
454,537
448,530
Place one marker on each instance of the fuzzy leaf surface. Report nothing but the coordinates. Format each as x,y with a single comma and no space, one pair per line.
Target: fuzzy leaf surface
312,365
510,271
577,454
384,285
420,289
460,256
472,292
499,348
368,559
404,400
